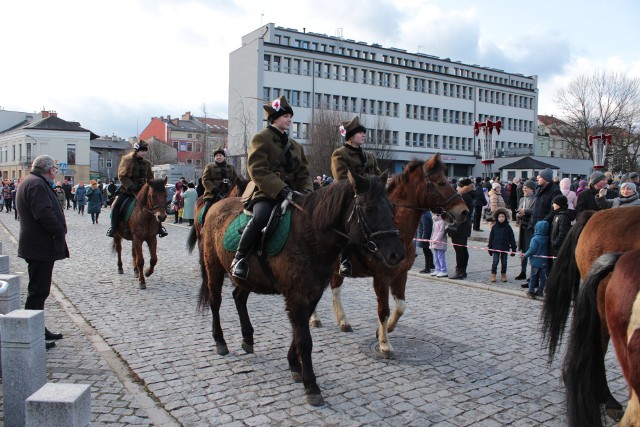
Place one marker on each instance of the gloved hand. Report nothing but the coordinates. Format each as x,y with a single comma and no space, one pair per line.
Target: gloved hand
513,254
490,253
286,193
134,188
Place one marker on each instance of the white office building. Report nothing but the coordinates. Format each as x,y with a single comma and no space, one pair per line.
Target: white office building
418,104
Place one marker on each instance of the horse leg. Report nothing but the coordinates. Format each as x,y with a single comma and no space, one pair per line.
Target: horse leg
397,291
240,296
138,260
117,241
382,293
341,316
215,278
314,320
613,408
299,355
152,243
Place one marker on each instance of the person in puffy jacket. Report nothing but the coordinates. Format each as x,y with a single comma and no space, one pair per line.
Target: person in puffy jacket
538,249
501,240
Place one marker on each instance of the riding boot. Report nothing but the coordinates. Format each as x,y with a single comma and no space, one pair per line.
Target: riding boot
115,216
345,263
205,209
162,231
240,264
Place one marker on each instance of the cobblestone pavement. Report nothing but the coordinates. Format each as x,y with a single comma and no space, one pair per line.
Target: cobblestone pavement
468,352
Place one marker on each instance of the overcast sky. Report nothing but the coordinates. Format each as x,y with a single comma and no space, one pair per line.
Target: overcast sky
112,65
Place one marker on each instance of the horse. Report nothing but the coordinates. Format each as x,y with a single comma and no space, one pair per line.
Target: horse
421,186
594,234
148,212
581,371
355,211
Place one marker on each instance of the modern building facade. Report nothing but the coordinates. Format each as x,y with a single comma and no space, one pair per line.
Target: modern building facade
418,104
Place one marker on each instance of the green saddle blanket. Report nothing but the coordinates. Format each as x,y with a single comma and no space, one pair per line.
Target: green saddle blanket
274,244
126,211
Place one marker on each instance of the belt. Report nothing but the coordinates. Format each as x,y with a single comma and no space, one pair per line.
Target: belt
285,176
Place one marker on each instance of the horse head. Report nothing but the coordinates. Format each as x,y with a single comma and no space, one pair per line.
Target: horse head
371,223
153,198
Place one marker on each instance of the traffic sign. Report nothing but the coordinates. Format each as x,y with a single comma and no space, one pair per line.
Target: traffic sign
62,166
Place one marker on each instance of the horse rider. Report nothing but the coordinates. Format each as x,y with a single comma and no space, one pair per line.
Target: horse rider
218,178
351,157
279,169
133,173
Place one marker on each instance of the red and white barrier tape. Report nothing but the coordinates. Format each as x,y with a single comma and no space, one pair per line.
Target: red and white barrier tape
481,247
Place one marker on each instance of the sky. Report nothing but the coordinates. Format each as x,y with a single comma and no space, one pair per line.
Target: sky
112,65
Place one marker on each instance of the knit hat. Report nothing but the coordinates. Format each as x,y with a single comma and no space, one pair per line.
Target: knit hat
583,183
219,151
546,174
633,175
277,108
596,177
495,185
348,129
630,185
464,182
530,184
561,201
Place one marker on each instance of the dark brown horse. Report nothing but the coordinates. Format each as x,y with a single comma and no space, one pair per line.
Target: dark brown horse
611,230
421,186
355,212
581,370
142,226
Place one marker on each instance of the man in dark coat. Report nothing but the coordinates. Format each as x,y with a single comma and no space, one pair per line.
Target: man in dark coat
42,232
460,232
587,197
546,191
479,202
66,187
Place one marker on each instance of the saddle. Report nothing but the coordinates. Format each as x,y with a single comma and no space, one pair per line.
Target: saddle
126,209
274,235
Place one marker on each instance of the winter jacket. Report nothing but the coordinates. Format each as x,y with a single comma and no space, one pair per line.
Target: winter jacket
133,173
542,208
539,245
587,199
189,198
95,200
479,200
565,189
81,194
502,237
424,229
496,201
349,158
463,229
561,224
42,224
618,202
438,234
218,179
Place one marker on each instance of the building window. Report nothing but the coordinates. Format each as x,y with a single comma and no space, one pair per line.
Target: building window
71,154
109,163
267,63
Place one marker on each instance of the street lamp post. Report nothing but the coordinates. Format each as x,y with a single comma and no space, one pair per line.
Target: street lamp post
487,144
598,144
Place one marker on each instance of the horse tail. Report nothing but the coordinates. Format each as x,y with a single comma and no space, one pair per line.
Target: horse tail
192,239
204,297
582,371
562,286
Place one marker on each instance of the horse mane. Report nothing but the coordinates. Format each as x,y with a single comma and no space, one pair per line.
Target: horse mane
434,164
156,185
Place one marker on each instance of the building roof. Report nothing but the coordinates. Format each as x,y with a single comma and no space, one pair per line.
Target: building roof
215,125
56,123
102,143
550,120
528,163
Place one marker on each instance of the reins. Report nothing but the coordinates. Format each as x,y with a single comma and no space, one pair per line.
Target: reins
145,206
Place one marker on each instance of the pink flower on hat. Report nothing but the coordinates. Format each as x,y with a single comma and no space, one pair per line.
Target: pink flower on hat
276,104
343,131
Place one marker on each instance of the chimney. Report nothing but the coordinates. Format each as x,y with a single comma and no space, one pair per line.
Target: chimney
44,113
186,116
168,117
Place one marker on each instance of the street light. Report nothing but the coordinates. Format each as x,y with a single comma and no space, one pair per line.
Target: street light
598,144
487,144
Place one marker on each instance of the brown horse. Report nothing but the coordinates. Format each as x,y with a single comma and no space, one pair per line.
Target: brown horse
142,226
611,230
421,186
355,212
622,303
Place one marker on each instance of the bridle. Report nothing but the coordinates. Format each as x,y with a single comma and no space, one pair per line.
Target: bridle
440,205
150,210
358,215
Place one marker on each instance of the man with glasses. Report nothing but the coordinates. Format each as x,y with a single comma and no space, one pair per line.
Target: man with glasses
42,233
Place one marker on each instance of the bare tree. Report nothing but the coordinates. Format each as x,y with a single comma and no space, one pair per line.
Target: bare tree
601,103
244,125
323,137
161,153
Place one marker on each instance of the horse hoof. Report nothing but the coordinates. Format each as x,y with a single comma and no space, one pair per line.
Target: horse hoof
315,399
142,286
148,273
386,354
222,349
346,328
297,376
615,414
248,348
316,324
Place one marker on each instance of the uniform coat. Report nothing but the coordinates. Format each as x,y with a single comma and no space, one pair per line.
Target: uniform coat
134,172
349,158
267,156
212,179
42,224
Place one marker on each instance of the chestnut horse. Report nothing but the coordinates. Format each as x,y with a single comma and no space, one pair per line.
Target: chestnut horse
610,230
142,226
420,186
622,304
355,212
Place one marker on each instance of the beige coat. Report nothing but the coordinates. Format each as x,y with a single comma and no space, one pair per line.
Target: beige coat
134,171
346,159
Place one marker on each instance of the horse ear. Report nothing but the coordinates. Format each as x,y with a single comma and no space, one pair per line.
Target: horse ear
357,182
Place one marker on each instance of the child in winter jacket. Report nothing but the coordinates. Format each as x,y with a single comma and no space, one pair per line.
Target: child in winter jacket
439,246
501,238
539,246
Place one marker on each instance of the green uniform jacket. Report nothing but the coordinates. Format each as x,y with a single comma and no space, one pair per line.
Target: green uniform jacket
346,159
266,157
212,178
134,172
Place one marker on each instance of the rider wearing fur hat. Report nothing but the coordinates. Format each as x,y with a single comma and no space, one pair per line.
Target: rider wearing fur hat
133,173
351,157
218,178
279,169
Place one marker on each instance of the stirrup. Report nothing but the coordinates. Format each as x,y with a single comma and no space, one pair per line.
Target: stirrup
162,232
111,231
240,268
345,269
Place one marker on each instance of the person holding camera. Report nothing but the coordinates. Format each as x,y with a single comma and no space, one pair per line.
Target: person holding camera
218,178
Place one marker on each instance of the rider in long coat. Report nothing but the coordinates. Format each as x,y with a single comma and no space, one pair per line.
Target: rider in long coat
133,173
277,166
351,157
218,178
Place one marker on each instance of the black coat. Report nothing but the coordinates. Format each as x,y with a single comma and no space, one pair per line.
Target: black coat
560,227
463,229
587,199
502,237
42,224
543,206
479,200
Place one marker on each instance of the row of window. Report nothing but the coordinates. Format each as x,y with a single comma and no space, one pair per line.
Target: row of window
26,157
361,53
445,142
